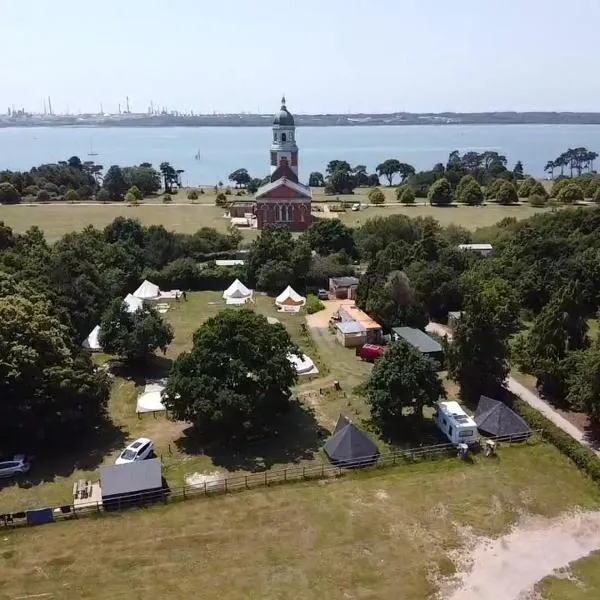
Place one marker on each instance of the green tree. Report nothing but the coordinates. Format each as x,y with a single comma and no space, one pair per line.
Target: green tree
133,336
170,176
103,196
48,394
316,179
388,168
71,196
135,191
274,276
43,196
492,189
253,185
558,185
9,194
274,243
192,195
470,193
525,189
405,194
537,200
144,177
401,380
114,183
478,356
570,194
518,170
221,199
331,235
440,193
240,177
583,382
507,194
341,181
237,378
376,196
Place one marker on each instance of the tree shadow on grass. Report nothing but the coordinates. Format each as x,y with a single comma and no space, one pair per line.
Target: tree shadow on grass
298,437
410,432
157,367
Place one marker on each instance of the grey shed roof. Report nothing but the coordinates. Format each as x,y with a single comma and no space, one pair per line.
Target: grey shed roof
344,281
455,314
136,476
418,339
349,446
350,327
495,418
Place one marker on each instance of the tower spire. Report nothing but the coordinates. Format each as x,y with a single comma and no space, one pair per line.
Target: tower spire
283,101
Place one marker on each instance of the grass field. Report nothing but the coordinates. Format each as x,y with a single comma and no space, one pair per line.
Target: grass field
300,438
581,581
182,216
382,534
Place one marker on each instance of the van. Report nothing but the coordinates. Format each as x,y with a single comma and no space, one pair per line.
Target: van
455,423
370,352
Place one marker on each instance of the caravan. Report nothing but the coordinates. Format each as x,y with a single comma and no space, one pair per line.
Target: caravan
455,423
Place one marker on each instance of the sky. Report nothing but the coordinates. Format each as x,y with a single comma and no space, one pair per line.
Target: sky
325,55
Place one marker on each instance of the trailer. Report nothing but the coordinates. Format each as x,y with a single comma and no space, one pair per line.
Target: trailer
455,423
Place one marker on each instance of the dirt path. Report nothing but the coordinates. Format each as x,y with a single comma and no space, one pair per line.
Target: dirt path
509,567
527,396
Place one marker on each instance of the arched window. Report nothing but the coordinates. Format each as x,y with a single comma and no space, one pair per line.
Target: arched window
283,137
278,213
274,136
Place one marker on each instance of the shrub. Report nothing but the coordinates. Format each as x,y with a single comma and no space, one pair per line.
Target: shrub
51,188
174,192
221,199
582,456
592,186
537,200
405,194
9,194
201,191
71,196
525,189
492,189
131,199
103,196
470,194
537,189
507,194
43,196
440,193
135,191
313,304
376,196
596,196
558,185
570,194
192,195
228,191
31,190
167,199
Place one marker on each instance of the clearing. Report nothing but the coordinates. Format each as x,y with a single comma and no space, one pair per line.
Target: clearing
381,534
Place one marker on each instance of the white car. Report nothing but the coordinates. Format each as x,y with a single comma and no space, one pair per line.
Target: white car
14,466
356,206
141,449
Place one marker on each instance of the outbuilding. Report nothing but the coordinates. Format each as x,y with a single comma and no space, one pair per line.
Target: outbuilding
132,484
483,249
350,334
349,446
353,313
496,419
420,340
343,287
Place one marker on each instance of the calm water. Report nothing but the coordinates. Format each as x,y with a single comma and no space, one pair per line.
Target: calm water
224,149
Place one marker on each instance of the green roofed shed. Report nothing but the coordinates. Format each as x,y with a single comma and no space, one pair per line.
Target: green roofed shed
419,339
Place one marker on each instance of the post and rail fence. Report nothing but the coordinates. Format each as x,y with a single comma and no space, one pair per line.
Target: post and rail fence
236,483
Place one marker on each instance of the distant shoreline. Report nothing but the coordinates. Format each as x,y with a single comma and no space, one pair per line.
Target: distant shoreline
340,120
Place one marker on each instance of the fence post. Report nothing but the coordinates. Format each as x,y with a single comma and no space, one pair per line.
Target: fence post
246,478
205,487
184,491
226,484
285,474
266,480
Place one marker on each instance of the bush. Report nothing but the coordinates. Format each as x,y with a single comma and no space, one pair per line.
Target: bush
592,186
558,185
43,196
492,189
131,199
596,196
228,191
192,195
71,196
167,199
570,194
31,190
313,304
440,193
103,196
201,191
507,194
470,194
51,188
525,189
582,456
9,194
135,191
376,196
405,194
536,200
221,199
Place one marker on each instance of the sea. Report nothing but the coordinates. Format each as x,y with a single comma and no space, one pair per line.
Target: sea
208,154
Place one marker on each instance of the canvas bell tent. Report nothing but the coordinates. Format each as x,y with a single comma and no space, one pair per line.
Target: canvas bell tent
92,341
133,303
290,300
237,293
147,291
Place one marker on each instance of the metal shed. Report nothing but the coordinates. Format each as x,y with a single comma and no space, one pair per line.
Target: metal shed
419,339
351,334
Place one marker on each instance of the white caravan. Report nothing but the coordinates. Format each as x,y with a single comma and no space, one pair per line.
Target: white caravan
455,423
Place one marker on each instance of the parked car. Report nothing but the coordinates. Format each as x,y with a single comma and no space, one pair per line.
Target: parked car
370,352
323,295
356,206
141,449
16,465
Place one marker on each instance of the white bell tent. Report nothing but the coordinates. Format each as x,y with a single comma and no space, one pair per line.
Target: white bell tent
147,291
237,293
290,300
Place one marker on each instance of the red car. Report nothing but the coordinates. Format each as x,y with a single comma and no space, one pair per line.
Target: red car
370,352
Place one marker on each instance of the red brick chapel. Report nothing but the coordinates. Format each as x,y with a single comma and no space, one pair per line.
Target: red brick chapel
284,200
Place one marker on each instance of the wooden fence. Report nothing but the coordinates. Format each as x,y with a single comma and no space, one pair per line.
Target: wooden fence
236,483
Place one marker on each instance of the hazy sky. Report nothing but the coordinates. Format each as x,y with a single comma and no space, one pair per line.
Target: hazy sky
326,55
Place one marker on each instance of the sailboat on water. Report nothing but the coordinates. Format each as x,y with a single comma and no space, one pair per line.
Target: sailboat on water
91,152
197,155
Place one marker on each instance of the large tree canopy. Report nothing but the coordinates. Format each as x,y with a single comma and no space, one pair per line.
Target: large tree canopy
47,394
236,380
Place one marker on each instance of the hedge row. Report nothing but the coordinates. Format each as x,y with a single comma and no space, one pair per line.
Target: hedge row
581,455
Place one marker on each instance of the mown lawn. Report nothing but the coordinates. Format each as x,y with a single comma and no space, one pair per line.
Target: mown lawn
383,534
580,581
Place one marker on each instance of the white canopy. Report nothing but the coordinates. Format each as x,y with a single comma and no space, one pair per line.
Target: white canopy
133,303
147,290
92,341
237,293
290,297
304,365
151,399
